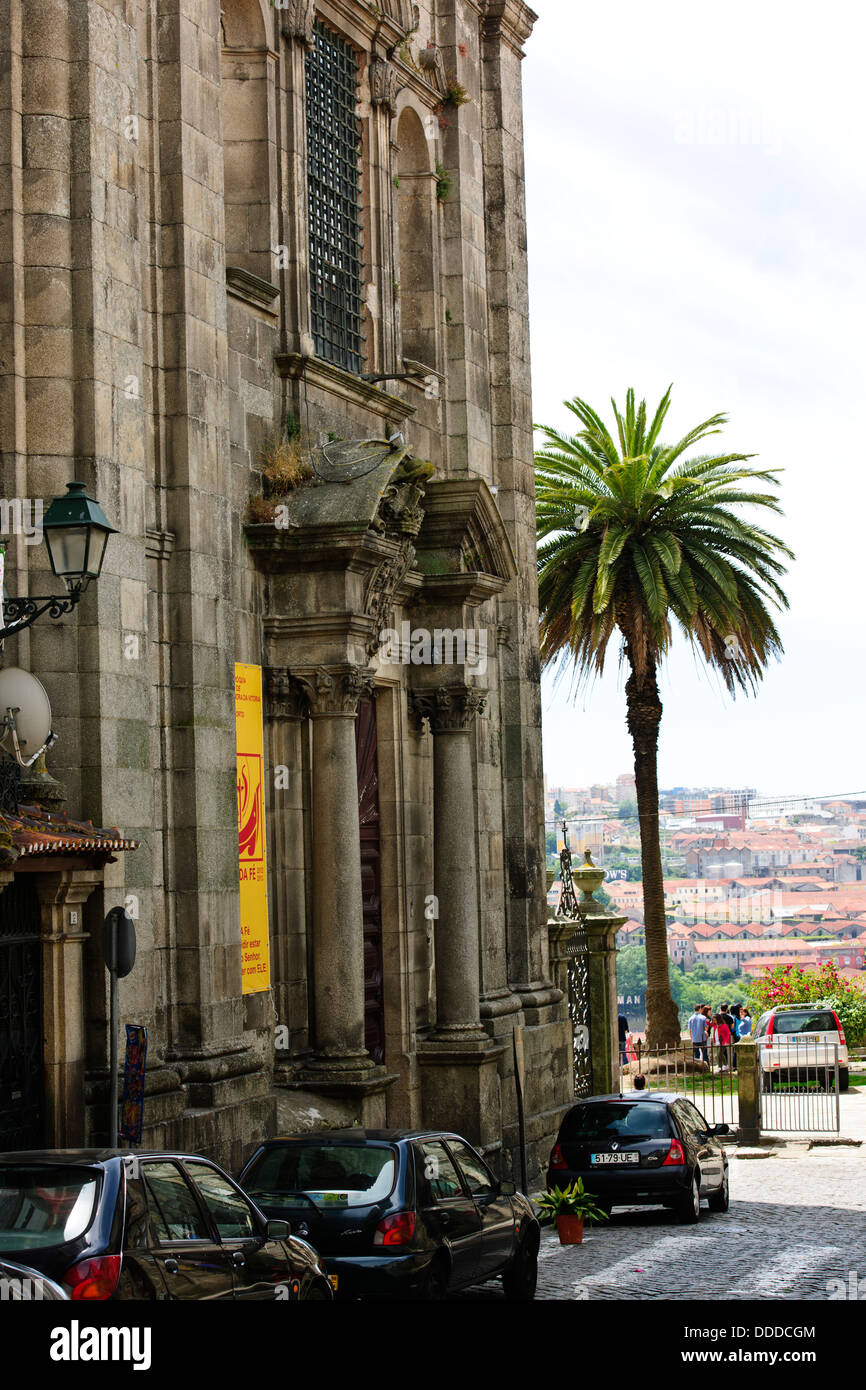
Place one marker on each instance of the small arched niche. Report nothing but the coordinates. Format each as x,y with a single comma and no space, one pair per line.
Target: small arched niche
249,137
417,224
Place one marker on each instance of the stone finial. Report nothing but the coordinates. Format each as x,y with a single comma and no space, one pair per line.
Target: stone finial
449,709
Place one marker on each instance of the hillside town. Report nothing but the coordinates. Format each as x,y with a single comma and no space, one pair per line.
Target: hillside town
753,894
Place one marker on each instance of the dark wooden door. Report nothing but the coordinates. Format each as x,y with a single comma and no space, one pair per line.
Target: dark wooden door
20,1016
371,879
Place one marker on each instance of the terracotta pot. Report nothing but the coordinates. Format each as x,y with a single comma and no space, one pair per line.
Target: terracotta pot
570,1229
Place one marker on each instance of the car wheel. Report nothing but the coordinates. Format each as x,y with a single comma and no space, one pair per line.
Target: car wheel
721,1200
436,1280
520,1277
689,1209
843,1078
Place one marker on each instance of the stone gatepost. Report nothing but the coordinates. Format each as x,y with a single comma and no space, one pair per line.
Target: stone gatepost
749,1097
601,929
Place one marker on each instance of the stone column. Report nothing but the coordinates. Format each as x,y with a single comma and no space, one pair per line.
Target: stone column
338,917
287,711
748,1084
450,711
459,1063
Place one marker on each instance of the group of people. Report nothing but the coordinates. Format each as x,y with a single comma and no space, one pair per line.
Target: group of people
724,1028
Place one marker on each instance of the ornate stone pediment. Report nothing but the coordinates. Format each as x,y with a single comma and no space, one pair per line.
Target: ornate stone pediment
463,533
387,501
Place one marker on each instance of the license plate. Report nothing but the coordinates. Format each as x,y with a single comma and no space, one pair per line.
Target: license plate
334,1280
615,1158
807,1037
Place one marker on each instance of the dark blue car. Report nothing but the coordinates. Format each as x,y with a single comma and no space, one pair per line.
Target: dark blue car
653,1148
398,1213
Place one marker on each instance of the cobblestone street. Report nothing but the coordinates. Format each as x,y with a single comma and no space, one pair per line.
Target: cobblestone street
797,1221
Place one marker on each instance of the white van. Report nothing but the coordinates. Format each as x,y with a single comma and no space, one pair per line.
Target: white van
802,1036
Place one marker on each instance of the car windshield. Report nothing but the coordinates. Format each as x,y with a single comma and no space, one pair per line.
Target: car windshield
45,1204
329,1175
806,1022
616,1120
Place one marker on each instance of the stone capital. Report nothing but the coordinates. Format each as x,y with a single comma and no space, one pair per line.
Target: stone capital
286,697
334,692
449,709
384,82
299,17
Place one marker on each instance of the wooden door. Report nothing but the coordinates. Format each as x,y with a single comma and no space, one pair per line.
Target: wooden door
371,879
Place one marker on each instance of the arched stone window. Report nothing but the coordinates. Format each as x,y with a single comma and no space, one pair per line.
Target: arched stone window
249,138
417,238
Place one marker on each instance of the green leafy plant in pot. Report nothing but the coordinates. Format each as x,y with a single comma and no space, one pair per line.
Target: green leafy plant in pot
569,1207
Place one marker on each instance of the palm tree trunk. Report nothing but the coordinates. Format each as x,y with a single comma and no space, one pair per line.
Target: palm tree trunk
643,719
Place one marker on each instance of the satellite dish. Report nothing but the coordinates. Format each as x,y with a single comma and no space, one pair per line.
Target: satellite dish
347,459
25,715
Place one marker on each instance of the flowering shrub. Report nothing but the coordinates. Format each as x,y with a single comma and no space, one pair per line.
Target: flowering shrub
792,984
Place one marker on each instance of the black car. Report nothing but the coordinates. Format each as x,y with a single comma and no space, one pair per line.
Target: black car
398,1213
655,1148
108,1224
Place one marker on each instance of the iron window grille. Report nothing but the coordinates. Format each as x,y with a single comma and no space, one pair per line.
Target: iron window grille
334,200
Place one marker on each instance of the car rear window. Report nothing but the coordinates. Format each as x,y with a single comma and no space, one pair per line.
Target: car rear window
330,1175
814,1021
616,1120
45,1204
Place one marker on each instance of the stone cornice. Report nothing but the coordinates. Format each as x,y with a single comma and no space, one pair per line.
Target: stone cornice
251,288
511,19
326,377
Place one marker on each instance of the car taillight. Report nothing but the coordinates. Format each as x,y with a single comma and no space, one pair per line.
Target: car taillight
395,1230
675,1156
557,1159
94,1278
841,1029
770,1026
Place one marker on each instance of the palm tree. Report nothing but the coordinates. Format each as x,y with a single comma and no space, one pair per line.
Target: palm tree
632,536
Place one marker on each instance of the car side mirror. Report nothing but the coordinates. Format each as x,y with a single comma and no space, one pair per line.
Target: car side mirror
720,1129
507,1188
278,1230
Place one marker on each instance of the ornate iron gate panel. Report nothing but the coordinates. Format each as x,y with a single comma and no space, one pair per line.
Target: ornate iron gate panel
20,1016
578,974
578,1009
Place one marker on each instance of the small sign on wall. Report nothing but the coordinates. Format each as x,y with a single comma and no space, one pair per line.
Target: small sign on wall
252,851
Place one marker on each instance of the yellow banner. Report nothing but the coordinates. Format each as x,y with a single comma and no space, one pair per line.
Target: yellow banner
252,852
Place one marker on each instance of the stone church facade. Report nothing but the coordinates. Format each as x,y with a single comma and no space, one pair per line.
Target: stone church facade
263,289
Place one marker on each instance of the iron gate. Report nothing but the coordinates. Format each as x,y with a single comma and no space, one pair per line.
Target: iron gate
20,1016
578,1009
799,1087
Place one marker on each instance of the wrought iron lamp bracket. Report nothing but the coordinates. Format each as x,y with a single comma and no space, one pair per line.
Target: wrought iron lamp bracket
25,610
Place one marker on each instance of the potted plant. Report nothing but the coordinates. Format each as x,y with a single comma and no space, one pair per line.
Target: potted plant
570,1207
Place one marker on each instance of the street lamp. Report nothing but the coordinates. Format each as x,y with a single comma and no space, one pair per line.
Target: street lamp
76,530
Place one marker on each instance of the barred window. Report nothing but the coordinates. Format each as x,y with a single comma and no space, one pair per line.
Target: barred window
334,200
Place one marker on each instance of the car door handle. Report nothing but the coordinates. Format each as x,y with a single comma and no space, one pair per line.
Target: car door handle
170,1266
238,1258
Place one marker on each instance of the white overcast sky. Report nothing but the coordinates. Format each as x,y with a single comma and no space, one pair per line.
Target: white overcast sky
736,270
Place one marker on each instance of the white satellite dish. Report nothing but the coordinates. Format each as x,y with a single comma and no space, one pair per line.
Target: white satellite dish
25,715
